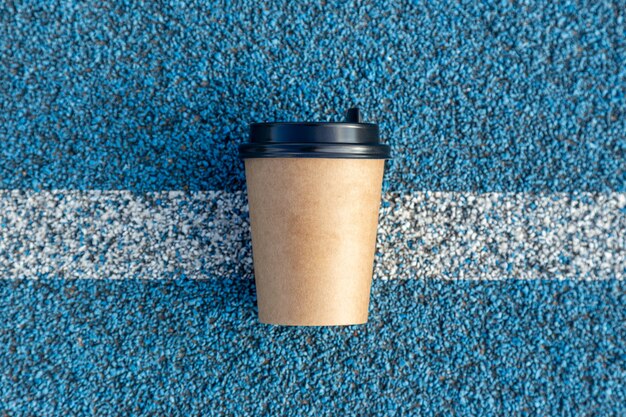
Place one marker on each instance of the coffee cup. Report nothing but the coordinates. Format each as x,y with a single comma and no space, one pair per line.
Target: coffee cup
314,193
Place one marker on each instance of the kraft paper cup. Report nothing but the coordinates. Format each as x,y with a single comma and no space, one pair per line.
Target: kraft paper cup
314,193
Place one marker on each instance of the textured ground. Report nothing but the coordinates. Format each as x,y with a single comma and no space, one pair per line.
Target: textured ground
474,97
432,347
121,234
499,278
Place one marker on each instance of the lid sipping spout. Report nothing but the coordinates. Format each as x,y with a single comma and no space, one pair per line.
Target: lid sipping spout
353,115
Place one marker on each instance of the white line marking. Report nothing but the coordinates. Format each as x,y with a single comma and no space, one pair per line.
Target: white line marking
443,235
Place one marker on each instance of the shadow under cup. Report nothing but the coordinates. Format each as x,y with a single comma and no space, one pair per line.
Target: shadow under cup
314,192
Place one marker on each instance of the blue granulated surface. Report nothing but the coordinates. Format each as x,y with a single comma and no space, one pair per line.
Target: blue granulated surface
152,96
432,347
472,96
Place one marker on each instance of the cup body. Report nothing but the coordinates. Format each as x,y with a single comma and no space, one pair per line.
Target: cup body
313,224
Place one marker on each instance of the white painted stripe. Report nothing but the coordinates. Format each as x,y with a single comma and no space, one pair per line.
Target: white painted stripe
497,236
121,234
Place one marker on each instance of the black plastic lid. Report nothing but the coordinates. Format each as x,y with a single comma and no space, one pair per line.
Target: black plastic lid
350,139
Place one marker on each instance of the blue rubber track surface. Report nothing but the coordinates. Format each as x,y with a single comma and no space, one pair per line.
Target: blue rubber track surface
432,347
472,96
513,97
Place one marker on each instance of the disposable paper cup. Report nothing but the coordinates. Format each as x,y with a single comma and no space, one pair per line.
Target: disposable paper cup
314,192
